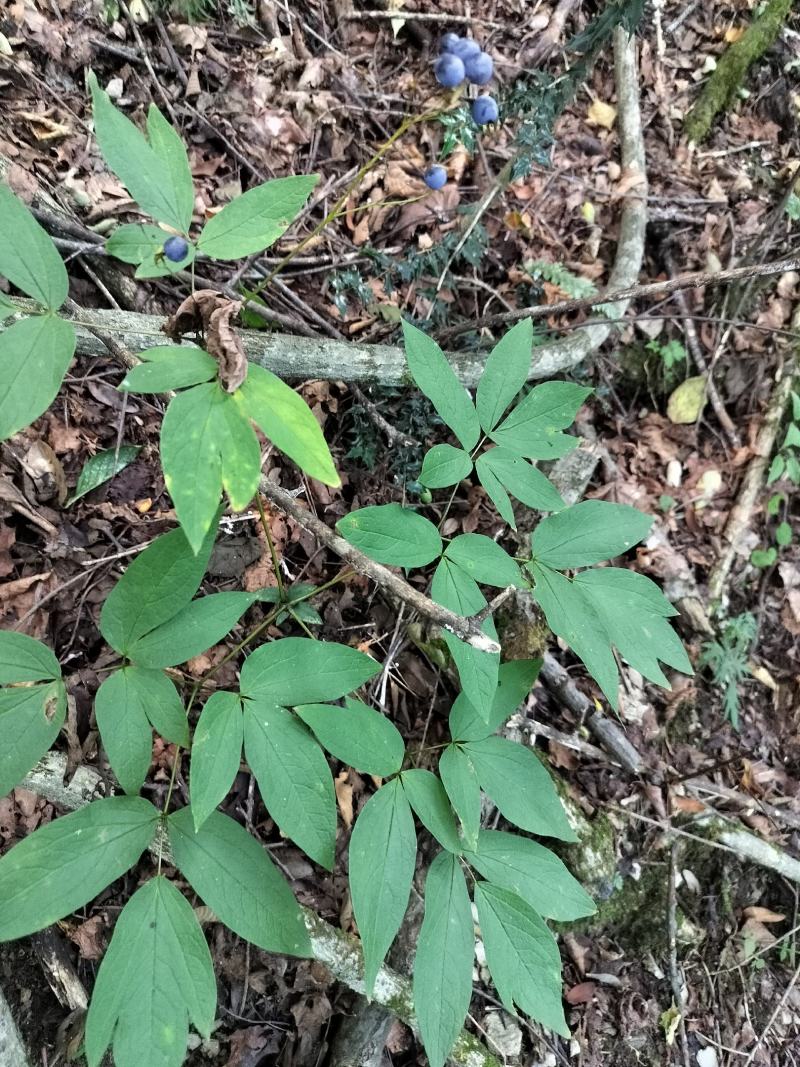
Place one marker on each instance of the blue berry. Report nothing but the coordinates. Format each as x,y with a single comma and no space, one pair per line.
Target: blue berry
465,47
176,249
449,42
479,68
435,177
449,70
485,110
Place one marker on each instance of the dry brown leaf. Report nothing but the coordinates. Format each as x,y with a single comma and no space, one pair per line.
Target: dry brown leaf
344,797
89,938
687,805
225,345
45,468
763,915
581,993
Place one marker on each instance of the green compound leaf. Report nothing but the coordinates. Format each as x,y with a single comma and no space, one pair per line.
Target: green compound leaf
157,585
167,367
28,257
484,560
135,242
522,480
443,964
216,753
286,419
155,173
234,876
357,735
571,614
298,670
257,218
389,533
522,955
428,798
31,717
444,465
60,867
514,681
461,784
520,787
34,356
494,489
101,468
437,380
505,373
197,627
548,408
156,977
531,871
587,533
383,850
293,777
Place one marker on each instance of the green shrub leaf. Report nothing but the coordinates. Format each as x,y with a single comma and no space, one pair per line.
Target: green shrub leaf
257,218
216,753
587,533
428,798
167,367
298,670
461,784
357,735
287,420
157,585
484,560
514,681
293,777
443,965
522,955
505,373
522,480
234,876
135,241
24,659
28,257
31,717
494,489
155,173
533,872
198,626
547,408
156,977
520,787
437,380
101,467
383,850
34,356
444,465
389,533
63,865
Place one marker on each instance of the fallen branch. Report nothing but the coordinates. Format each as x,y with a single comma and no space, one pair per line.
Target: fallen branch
340,953
467,629
12,1051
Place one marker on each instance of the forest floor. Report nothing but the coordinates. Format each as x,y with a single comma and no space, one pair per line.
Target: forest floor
314,87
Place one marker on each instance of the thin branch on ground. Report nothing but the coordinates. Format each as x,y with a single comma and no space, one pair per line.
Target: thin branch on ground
678,993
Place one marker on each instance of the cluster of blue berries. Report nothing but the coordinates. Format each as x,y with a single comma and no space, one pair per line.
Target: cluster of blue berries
461,59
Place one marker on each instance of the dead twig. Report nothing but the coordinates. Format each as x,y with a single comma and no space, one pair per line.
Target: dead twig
678,994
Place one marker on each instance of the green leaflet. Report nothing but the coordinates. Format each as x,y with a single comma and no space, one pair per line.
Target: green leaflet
520,787
156,977
167,367
216,753
505,373
66,863
443,965
389,533
257,218
444,465
462,787
234,876
588,533
484,560
533,872
156,265
24,659
155,172
135,241
437,380
7,307
200,625
293,777
298,670
571,615
515,680
287,420
522,955
101,467
34,356
548,408
427,797
518,477
31,718
357,735
494,489
28,257
158,584
239,450
383,849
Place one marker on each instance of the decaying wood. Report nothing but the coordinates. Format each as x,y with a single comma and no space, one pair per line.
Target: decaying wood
12,1051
